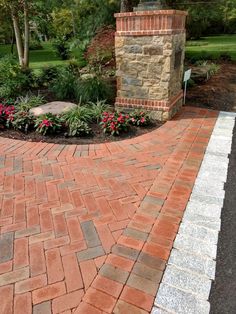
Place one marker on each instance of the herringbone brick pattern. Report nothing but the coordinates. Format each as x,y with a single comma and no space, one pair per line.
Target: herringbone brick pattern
88,229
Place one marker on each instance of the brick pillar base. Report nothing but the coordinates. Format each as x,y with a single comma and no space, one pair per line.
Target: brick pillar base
150,60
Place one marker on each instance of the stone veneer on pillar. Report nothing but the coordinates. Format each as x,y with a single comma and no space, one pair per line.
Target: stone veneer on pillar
150,49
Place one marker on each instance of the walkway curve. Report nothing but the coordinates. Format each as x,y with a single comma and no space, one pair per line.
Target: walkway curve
87,229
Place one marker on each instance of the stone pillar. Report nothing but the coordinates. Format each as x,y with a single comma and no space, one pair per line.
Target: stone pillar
150,49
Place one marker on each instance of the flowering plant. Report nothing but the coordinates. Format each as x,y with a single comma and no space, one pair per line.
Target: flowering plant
48,123
22,120
114,122
139,118
6,114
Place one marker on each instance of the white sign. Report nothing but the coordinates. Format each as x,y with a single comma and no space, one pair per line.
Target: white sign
187,75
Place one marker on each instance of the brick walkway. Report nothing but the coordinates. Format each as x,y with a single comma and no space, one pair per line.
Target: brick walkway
88,229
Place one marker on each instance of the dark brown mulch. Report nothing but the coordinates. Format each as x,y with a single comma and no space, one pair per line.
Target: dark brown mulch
219,93
97,135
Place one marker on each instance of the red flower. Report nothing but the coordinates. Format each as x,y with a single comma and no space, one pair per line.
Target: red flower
11,117
46,123
6,111
142,120
115,122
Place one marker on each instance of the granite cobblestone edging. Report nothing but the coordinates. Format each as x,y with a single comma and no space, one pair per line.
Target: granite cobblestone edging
187,280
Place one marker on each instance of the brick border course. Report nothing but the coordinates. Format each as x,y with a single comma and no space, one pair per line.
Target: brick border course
131,103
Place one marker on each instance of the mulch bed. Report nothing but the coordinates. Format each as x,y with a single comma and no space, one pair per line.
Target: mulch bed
219,93
97,135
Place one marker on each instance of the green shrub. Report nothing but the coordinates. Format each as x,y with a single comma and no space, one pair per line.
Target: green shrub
64,85
68,85
78,47
48,123
201,56
74,66
22,120
94,88
98,108
81,113
13,79
29,77
77,120
78,128
47,75
62,48
35,45
213,68
202,63
8,101
25,103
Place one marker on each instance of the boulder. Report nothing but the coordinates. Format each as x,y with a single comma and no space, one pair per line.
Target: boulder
55,107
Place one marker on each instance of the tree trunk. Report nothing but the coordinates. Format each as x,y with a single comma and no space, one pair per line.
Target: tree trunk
19,44
12,40
26,35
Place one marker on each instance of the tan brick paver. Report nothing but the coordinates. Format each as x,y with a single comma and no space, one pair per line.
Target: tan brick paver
88,229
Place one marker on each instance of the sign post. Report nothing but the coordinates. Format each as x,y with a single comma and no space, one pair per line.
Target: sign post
187,76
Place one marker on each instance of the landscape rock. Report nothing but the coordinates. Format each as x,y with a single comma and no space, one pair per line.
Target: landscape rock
55,107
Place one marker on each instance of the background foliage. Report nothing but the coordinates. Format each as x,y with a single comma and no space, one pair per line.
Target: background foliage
81,18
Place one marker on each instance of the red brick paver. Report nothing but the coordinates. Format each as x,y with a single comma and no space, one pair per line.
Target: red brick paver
88,229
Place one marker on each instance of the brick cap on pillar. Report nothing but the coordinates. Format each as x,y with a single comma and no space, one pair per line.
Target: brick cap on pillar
150,23
151,12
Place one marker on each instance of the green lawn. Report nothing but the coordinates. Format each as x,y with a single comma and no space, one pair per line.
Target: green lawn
47,56
41,58
214,45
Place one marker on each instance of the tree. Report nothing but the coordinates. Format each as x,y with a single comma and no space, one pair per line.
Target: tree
62,22
19,9
5,28
204,17
229,15
91,15
128,5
